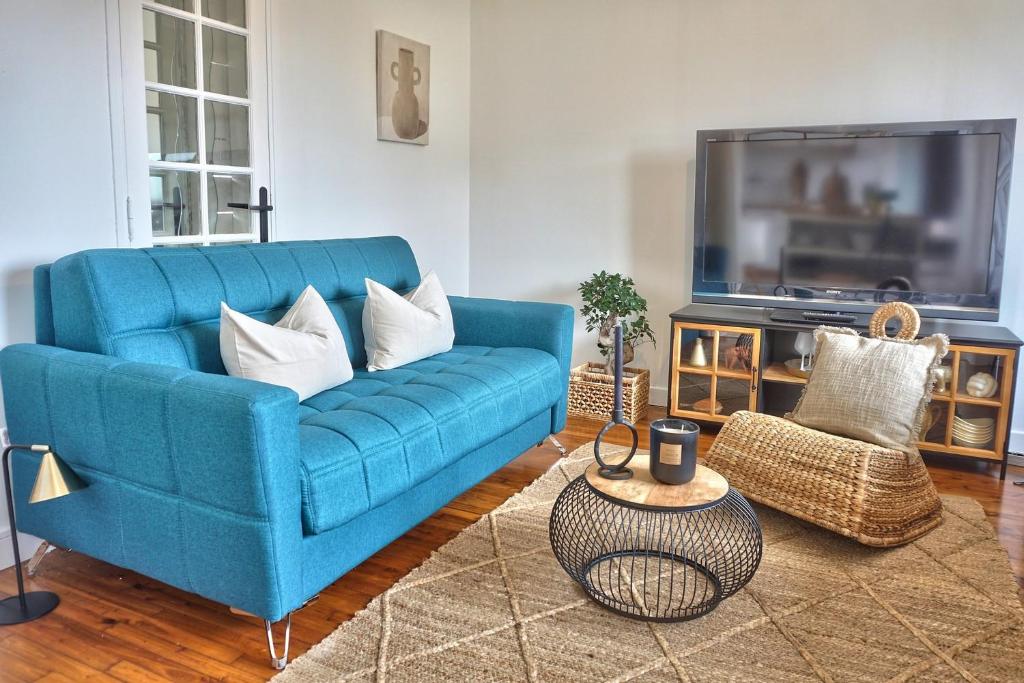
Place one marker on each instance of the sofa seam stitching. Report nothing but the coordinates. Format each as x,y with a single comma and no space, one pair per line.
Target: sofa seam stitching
174,315
177,486
105,423
223,285
90,279
266,501
391,257
337,273
266,280
302,271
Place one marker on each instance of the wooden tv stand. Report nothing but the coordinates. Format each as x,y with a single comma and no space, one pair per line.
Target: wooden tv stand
745,348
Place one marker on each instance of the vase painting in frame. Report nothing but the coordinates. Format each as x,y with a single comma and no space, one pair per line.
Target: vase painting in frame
403,89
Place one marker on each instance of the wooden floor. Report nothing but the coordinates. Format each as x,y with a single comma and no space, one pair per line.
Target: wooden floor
114,624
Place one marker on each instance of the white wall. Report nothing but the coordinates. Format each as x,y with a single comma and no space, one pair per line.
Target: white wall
332,177
56,187
585,113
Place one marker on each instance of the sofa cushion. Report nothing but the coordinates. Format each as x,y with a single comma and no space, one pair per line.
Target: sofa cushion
367,441
304,351
401,329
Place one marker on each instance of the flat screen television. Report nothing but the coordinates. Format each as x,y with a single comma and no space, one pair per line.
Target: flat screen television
841,218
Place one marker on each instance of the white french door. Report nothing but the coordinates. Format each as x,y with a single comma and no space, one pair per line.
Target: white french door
195,118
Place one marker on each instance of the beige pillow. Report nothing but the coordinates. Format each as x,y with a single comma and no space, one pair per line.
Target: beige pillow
874,390
402,329
305,351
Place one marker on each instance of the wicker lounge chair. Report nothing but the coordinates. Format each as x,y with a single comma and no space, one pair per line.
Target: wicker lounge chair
878,496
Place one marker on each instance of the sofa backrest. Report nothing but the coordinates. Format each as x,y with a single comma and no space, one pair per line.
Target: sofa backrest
162,305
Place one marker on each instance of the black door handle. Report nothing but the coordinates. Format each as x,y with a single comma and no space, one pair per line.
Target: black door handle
264,207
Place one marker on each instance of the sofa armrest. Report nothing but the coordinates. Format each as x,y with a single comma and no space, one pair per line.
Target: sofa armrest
493,322
193,477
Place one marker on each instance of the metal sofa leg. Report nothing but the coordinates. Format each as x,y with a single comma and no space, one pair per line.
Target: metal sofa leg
42,551
557,444
275,661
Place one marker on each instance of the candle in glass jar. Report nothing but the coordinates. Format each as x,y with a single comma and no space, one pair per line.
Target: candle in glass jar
674,450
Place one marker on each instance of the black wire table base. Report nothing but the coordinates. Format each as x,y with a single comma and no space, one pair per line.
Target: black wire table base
651,563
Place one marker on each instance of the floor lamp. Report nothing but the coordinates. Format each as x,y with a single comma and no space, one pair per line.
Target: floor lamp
54,480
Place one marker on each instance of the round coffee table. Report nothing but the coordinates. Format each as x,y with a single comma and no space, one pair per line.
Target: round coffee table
653,551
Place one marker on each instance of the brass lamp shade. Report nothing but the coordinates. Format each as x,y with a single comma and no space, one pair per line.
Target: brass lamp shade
55,479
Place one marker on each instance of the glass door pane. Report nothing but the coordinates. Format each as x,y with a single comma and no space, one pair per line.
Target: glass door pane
228,11
170,47
171,127
974,427
979,375
224,188
694,394
174,198
731,395
185,5
227,134
735,353
696,349
225,64
934,426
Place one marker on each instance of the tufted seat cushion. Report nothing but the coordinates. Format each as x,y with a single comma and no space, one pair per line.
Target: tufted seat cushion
367,441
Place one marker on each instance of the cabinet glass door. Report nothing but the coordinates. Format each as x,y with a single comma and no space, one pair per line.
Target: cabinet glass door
969,411
714,370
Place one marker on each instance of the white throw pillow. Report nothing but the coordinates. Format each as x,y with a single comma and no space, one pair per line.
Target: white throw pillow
304,351
402,329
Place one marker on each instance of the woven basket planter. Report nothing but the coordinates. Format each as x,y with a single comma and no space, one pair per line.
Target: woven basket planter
592,392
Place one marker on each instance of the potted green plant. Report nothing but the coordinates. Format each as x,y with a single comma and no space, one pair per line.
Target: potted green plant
609,298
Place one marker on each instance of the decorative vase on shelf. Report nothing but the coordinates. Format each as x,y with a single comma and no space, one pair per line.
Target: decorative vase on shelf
697,357
804,345
982,385
943,375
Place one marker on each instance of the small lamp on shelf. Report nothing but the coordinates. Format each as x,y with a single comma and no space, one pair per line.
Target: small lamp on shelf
54,479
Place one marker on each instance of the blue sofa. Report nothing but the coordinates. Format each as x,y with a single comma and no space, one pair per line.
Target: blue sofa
231,488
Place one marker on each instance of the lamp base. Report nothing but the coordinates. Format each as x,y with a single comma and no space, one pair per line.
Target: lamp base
37,604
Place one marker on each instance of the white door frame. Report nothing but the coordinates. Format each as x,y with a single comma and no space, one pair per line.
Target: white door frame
127,103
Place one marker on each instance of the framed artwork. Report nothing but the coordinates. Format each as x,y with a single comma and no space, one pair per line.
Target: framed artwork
403,89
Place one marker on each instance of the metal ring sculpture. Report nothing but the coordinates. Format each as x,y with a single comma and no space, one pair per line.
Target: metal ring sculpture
618,470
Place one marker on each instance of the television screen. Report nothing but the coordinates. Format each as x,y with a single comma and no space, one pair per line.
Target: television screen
911,212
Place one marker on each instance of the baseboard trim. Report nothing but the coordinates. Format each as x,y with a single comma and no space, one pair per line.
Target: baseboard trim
1016,447
26,545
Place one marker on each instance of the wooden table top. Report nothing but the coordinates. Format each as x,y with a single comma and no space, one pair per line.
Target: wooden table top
644,490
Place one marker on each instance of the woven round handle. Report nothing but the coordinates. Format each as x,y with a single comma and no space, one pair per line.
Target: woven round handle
910,321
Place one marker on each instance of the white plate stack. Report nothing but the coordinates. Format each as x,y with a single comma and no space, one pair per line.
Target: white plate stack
973,433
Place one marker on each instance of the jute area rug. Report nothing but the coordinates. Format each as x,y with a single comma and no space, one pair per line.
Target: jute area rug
494,605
